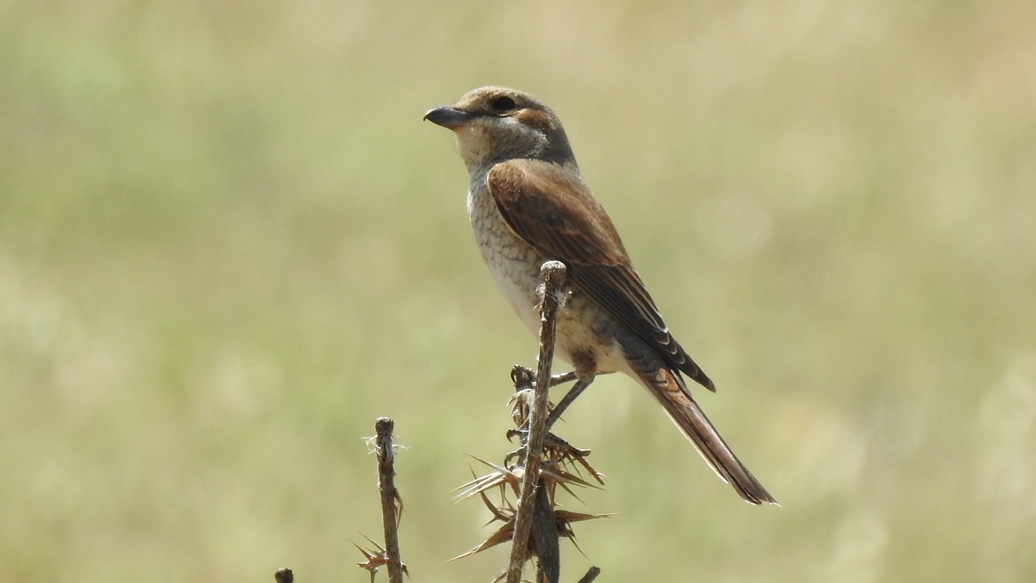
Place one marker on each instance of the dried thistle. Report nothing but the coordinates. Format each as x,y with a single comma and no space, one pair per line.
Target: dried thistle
560,467
374,559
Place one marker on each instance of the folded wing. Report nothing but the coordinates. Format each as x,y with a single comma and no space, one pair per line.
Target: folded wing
553,210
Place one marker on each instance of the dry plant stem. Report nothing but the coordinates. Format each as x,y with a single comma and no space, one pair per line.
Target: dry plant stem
553,273
590,575
386,484
546,539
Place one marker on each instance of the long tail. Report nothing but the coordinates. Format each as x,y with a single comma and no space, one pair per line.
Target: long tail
669,389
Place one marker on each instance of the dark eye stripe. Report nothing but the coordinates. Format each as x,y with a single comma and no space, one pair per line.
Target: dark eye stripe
503,103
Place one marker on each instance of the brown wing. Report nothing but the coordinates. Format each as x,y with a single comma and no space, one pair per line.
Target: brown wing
551,208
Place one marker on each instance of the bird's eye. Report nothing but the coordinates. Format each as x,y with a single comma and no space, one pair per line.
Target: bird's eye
504,103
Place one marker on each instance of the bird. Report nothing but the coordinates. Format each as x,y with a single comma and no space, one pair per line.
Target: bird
528,203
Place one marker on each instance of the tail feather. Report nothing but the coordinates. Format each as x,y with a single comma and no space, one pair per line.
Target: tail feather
671,392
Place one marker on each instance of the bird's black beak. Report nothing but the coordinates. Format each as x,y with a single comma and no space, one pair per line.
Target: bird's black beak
448,117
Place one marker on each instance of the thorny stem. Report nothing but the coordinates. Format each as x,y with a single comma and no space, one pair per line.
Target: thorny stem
553,273
590,575
389,496
545,539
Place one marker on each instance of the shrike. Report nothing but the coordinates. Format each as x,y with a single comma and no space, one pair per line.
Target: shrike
528,203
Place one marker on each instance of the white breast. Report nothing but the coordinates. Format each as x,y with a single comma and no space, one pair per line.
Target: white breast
513,264
515,267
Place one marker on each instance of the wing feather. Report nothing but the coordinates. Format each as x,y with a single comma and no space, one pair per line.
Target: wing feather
552,209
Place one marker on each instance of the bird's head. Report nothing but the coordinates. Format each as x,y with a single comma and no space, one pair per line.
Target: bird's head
494,124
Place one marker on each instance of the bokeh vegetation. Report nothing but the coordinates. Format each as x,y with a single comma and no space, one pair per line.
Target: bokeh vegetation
228,242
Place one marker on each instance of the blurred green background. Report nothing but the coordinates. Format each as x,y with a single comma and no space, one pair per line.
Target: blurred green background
228,242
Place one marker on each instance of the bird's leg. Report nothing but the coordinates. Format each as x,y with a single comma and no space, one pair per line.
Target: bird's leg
570,396
523,375
560,379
